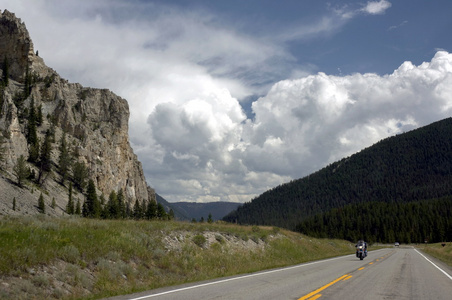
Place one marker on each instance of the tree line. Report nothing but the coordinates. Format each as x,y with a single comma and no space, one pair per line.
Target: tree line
116,207
383,222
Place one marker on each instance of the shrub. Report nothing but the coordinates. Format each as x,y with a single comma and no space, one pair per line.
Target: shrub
199,240
70,253
219,238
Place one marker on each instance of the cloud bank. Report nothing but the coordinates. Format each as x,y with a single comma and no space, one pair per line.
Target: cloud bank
185,73
300,126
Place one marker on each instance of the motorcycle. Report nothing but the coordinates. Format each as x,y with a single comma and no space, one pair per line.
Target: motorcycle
361,250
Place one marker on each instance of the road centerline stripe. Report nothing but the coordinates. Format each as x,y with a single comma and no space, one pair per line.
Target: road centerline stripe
322,288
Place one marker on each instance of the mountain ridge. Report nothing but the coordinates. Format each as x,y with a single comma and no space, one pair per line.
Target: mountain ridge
415,165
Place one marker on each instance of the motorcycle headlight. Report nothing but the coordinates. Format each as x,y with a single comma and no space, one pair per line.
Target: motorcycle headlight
360,247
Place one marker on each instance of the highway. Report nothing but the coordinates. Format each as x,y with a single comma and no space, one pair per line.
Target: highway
393,273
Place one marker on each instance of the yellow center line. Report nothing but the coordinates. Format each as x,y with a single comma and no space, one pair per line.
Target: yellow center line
315,294
322,288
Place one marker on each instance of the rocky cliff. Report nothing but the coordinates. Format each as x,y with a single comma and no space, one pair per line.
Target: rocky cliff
94,121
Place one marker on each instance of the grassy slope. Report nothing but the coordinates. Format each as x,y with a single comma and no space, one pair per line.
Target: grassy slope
68,258
438,251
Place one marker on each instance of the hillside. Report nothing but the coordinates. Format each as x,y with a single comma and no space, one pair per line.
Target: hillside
202,210
178,214
187,211
411,222
413,166
54,133
80,258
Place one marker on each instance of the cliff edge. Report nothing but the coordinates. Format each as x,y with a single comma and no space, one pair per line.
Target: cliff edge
94,123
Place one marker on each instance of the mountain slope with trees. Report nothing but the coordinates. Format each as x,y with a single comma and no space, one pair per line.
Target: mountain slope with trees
412,222
409,167
202,211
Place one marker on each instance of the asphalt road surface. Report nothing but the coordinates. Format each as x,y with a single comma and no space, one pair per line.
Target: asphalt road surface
396,273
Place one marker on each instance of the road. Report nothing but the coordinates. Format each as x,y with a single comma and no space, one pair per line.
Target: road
395,273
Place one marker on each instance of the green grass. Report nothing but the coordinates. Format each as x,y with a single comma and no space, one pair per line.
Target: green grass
438,251
73,258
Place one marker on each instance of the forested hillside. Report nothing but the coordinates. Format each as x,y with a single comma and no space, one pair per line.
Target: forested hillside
413,222
409,167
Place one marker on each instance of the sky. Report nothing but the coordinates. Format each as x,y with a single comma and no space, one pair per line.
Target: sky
231,98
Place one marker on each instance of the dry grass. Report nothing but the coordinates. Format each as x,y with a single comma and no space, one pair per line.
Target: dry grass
437,250
73,258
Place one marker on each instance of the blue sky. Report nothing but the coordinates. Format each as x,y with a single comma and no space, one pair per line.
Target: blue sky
231,98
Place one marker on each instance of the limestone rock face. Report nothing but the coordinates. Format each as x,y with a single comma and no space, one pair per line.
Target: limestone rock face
95,121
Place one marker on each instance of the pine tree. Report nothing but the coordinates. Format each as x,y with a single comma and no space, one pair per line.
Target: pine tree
78,209
161,213
64,160
14,203
122,204
33,152
137,210
70,204
41,204
79,174
20,170
45,159
39,116
53,205
209,219
102,199
151,211
32,136
113,206
92,206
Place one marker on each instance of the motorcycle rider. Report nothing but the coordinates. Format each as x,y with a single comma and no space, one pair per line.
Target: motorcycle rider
360,244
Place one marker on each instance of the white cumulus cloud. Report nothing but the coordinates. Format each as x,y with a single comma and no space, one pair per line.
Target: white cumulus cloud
321,118
376,7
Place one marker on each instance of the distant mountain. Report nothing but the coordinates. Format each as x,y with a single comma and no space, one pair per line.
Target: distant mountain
202,210
187,211
178,214
406,168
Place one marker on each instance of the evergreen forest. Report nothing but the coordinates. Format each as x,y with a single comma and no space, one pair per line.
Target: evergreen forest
413,222
411,167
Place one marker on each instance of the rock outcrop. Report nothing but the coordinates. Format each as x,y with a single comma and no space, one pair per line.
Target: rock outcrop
95,121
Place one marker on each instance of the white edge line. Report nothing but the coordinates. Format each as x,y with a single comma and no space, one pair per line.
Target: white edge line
236,278
445,273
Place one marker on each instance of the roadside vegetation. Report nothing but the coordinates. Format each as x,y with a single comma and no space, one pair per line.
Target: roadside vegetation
437,250
80,258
